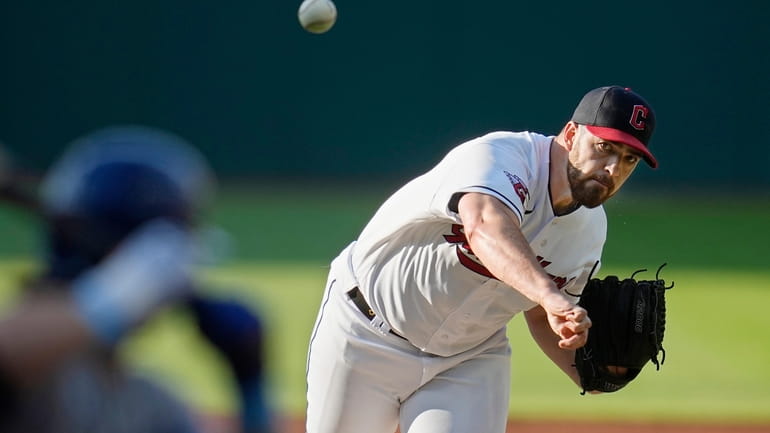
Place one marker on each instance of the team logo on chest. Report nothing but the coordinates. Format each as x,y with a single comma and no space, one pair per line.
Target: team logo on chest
464,253
470,261
560,281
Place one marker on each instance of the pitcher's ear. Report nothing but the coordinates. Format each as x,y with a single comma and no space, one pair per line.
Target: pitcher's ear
570,134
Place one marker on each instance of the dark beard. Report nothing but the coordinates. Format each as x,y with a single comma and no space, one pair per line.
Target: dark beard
584,194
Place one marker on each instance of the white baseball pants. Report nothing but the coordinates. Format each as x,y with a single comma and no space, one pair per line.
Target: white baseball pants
362,379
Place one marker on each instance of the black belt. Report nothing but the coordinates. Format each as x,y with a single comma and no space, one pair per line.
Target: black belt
355,295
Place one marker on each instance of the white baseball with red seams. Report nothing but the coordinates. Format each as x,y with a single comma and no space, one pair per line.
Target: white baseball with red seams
414,268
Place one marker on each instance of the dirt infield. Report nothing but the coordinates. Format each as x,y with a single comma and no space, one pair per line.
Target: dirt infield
593,427
514,426
297,425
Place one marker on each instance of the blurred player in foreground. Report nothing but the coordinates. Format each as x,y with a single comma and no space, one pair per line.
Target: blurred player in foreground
412,327
120,210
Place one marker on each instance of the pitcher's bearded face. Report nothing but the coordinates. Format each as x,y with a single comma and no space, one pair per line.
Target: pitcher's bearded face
597,168
590,190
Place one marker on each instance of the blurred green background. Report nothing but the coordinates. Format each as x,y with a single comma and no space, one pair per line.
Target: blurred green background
308,133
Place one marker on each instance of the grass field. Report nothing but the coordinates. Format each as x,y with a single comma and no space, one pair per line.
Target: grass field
280,243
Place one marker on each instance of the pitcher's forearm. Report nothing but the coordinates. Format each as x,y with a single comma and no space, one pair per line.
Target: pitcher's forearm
493,234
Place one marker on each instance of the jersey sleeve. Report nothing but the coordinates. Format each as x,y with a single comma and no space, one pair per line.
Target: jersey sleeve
497,165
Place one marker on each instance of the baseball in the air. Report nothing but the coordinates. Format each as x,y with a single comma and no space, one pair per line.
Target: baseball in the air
317,16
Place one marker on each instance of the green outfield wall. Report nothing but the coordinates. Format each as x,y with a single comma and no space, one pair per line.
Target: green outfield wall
392,86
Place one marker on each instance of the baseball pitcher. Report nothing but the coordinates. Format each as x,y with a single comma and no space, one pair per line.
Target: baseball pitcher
411,328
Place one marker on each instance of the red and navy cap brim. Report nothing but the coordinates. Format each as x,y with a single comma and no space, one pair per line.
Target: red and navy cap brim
612,134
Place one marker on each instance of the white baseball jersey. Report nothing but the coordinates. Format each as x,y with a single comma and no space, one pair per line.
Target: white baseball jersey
413,264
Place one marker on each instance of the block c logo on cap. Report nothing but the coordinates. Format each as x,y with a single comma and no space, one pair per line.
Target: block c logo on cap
639,117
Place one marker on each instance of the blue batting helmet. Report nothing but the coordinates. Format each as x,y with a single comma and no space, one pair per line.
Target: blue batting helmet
112,181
